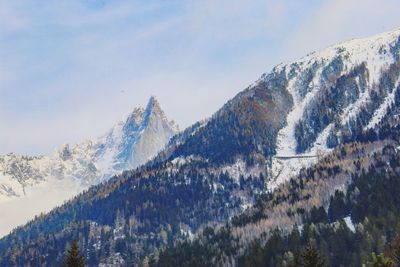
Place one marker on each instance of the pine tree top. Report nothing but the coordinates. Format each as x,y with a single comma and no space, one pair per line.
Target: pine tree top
310,257
73,257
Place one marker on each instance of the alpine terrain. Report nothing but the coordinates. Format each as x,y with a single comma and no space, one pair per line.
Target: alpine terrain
30,185
306,154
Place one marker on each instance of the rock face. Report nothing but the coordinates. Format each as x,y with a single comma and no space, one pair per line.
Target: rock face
133,142
69,170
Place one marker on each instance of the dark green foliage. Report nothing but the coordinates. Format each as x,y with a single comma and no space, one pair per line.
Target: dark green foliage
150,213
73,257
379,261
371,200
310,257
200,252
394,250
245,126
338,207
318,215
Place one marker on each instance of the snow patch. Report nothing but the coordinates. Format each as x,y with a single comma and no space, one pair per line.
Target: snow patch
235,170
382,110
349,224
374,52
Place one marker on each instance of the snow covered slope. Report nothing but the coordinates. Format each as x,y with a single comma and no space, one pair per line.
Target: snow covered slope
30,185
336,92
299,111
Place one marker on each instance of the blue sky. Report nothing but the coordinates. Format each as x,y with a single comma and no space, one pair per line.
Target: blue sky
69,69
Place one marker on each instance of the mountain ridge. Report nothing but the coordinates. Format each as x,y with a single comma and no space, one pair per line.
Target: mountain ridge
70,169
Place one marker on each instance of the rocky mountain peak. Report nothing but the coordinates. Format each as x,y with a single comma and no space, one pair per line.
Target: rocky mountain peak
71,169
153,103
154,113
153,108
136,117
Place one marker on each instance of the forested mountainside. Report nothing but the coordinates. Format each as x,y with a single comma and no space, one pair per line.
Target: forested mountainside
344,98
347,205
31,185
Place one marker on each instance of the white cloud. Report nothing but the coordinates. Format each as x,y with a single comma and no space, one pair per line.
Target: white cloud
340,20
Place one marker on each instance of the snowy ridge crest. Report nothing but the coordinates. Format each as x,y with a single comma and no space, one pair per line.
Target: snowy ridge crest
130,143
311,82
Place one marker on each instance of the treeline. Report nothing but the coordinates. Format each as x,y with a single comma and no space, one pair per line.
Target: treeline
245,127
124,221
354,227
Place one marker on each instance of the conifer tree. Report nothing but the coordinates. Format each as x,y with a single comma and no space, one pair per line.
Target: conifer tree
394,252
310,257
380,261
73,258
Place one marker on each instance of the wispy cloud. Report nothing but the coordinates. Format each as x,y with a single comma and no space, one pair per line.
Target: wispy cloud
340,20
63,64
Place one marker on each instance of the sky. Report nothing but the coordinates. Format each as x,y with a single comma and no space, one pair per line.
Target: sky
70,69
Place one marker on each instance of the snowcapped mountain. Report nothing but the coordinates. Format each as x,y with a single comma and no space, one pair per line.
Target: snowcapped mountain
134,141
336,94
69,170
300,110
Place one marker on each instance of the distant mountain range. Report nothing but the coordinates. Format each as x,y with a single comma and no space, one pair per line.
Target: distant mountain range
283,146
42,182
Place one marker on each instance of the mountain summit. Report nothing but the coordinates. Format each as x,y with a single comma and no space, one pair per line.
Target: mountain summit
135,140
51,179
